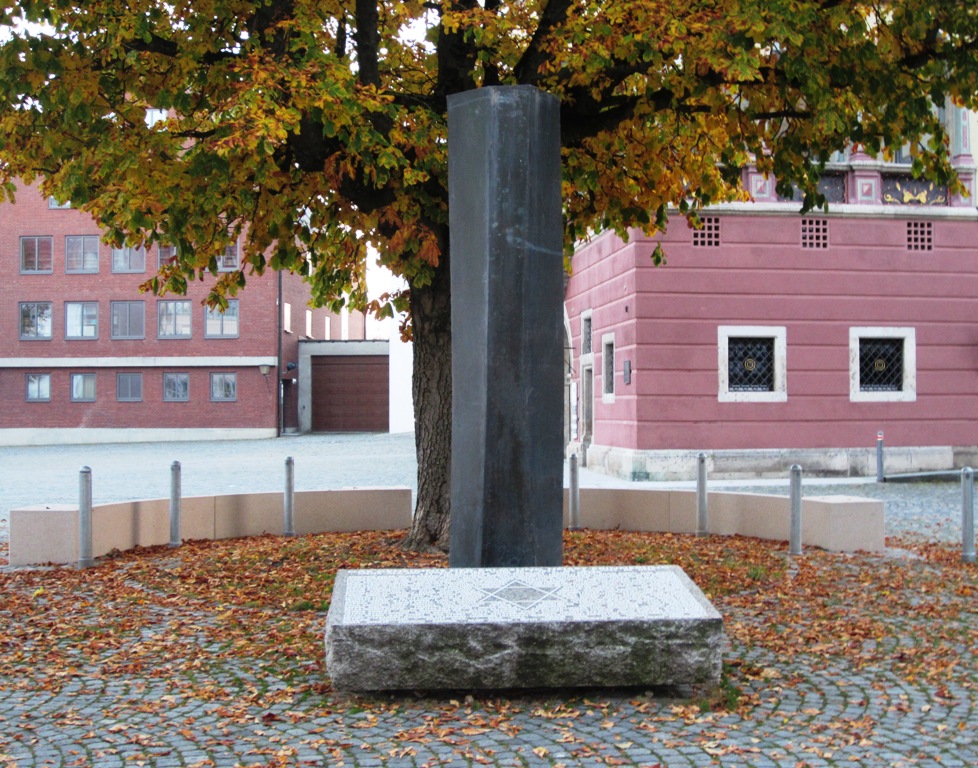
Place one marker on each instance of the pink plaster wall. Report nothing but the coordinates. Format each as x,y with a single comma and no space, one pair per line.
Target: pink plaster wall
665,321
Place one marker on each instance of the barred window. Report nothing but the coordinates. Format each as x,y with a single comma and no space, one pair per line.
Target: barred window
882,364
752,363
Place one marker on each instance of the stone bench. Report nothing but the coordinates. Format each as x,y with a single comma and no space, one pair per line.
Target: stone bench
500,628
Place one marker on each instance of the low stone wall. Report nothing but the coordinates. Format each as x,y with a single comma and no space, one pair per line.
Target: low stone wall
670,465
49,534
835,523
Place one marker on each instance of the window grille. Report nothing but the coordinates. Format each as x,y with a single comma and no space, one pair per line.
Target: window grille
608,381
881,365
814,233
750,364
709,235
920,236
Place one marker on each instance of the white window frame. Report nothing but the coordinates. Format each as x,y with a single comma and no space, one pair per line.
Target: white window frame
588,323
287,317
308,323
780,335
228,261
607,383
908,393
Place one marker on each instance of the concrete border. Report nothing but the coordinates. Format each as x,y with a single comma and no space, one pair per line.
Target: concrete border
49,533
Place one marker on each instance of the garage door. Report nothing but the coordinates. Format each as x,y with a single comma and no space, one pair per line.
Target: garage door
350,394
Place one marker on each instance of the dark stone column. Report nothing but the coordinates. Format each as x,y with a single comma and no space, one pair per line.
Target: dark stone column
507,335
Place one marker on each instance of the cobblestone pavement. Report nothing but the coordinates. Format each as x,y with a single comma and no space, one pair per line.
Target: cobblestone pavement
809,709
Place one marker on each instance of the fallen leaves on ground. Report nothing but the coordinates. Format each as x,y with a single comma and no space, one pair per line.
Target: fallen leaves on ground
179,614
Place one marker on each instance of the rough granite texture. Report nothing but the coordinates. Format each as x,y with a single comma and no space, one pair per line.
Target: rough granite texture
499,628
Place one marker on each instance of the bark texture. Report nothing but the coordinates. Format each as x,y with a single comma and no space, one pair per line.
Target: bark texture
431,312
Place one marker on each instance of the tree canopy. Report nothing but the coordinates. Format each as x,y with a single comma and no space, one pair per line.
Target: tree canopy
318,127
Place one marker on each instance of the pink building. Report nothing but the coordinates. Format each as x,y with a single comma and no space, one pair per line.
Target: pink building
86,357
771,338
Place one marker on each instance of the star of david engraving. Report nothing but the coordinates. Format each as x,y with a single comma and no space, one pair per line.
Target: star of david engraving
520,594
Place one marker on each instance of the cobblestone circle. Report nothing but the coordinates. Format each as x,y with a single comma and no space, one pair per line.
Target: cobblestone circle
810,710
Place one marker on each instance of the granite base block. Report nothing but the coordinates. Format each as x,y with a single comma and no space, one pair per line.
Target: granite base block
500,628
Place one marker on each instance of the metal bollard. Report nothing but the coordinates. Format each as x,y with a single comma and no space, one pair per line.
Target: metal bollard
175,495
794,541
289,501
880,477
574,495
702,507
85,559
967,515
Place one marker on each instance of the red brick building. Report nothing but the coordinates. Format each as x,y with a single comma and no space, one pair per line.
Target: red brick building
86,357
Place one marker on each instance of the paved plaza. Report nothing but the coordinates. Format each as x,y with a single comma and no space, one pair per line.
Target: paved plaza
902,694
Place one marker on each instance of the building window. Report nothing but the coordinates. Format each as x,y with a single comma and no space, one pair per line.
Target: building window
36,255
38,387
82,387
129,259
128,319
54,205
176,387
173,319
224,386
707,236
882,365
129,387
81,254
166,255
920,236
752,362
308,324
814,233
586,333
81,320
287,317
228,261
218,324
35,320
608,368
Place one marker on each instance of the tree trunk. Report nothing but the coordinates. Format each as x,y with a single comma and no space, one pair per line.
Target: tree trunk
431,313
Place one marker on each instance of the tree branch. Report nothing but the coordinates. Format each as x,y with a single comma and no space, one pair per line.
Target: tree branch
527,70
366,36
